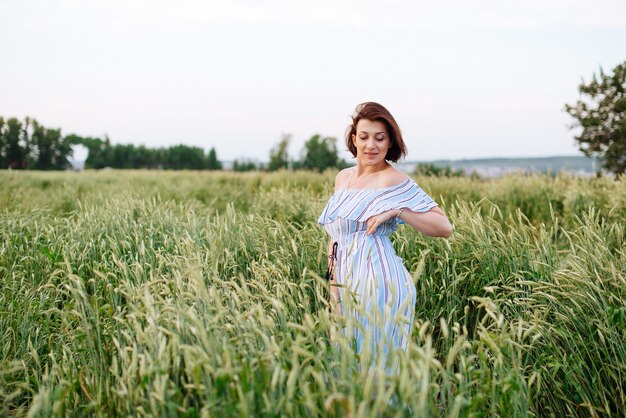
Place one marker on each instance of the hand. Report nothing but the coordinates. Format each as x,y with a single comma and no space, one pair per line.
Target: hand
375,221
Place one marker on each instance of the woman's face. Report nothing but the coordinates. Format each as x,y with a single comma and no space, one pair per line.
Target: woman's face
371,142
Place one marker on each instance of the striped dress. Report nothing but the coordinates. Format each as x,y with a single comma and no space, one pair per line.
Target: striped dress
377,294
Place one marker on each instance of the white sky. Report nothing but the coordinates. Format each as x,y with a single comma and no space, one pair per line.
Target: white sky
464,79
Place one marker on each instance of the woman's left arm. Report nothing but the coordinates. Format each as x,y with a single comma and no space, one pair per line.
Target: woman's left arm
433,223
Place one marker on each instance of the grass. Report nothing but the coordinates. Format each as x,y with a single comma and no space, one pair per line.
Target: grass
197,294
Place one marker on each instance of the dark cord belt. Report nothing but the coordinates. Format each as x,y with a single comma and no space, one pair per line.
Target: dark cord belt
333,257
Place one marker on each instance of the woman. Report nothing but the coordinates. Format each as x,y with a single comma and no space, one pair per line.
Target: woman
370,286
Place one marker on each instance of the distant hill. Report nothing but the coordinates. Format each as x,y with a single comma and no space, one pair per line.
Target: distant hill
494,167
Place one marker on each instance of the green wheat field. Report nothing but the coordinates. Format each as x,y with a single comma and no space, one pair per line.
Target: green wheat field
149,293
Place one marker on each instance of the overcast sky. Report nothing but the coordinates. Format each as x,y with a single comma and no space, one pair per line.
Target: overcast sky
464,79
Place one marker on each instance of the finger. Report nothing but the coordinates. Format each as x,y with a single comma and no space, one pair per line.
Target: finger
372,228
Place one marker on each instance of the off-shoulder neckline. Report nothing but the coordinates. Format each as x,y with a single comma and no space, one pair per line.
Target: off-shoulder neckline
374,190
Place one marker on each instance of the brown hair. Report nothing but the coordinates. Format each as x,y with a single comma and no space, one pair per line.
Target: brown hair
377,112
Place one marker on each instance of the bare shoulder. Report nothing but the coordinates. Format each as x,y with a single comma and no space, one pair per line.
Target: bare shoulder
343,177
393,176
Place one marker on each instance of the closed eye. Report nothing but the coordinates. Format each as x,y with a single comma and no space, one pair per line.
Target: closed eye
378,136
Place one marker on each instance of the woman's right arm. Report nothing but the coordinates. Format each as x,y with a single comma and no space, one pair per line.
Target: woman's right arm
340,180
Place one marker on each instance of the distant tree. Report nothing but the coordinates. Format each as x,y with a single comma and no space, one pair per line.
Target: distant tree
320,153
16,143
4,163
244,165
143,157
429,169
158,157
279,156
50,149
212,162
602,117
43,145
122,155
183,156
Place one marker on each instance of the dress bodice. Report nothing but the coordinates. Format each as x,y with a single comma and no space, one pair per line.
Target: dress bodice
353,207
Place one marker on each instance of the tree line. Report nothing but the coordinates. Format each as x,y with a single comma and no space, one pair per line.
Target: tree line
29,145
101,154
